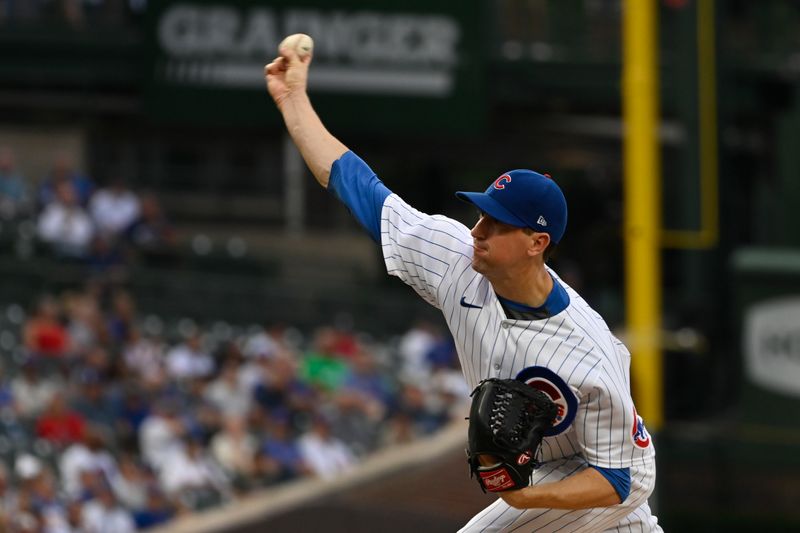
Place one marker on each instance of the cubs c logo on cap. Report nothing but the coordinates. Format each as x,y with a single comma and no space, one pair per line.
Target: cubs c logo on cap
500,183
550,383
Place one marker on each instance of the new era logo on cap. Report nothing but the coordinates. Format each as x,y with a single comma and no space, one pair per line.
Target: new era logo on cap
524,199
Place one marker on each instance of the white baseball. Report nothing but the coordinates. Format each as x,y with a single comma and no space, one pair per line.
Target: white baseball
300,43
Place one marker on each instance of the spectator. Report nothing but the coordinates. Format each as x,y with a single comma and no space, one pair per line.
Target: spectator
399,429
282,389
161,435
323,367
191,477
227,394
122,318
65,225
151,233
114,209
131,483
32,392
8,499
414,346
413,402
189,360
200,417
43,333
326,455
104,513
234,448
88,454
260,344
7,405
158,510
39,494
132,414
93,403
366,380
59,424
106,258
362,402
63,172
255,372
144,356
14,200
96,364
85,326
280,458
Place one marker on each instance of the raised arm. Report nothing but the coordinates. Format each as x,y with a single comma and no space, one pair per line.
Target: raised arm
287,78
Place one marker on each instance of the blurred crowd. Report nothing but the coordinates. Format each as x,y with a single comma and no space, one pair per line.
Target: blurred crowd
77,14
102,226
114,421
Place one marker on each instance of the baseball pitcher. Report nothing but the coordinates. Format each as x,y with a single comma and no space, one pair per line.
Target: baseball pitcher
553,429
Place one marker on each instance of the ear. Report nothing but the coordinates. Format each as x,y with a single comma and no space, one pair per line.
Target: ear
538,243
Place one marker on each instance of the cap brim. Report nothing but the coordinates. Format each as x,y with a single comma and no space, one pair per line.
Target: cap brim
491,207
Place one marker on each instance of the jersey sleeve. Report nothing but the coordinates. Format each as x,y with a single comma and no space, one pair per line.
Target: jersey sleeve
426,252
357,186
609,431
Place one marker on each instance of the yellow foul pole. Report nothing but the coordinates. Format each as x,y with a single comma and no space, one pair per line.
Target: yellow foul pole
642,205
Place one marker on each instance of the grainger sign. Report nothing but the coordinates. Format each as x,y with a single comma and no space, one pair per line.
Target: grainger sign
413,56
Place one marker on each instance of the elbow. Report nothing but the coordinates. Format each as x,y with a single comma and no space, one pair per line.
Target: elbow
515,499
613,499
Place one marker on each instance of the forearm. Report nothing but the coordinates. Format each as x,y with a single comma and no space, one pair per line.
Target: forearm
588,488
317,146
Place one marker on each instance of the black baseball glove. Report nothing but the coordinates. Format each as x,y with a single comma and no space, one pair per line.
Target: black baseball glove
507,421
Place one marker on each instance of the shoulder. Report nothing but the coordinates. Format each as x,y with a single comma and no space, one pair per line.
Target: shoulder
400,217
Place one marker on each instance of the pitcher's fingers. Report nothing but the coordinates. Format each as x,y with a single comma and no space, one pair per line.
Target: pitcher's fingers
289,55
278,65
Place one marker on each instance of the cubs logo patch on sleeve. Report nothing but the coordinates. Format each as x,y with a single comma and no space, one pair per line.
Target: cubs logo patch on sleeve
639,434
550,383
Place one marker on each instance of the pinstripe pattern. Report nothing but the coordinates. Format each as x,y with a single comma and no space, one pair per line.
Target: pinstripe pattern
433,255
634,513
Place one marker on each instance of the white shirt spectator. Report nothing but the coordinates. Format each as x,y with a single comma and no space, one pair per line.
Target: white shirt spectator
78,458
260,344
188,361
188,469
326,455
31,395
234,448
146,357
67,228
227,394
159,438
114,209
413,348
100,517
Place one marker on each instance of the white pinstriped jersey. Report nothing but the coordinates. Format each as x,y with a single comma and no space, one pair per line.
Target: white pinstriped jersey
572,355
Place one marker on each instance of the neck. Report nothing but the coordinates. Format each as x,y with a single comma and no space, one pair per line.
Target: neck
530,287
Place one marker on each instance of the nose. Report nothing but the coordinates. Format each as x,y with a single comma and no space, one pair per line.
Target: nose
479,229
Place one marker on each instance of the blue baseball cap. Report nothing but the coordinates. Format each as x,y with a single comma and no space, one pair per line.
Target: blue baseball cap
524,199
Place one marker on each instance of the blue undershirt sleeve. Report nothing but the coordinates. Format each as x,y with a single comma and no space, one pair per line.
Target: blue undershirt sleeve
357,186
620,479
